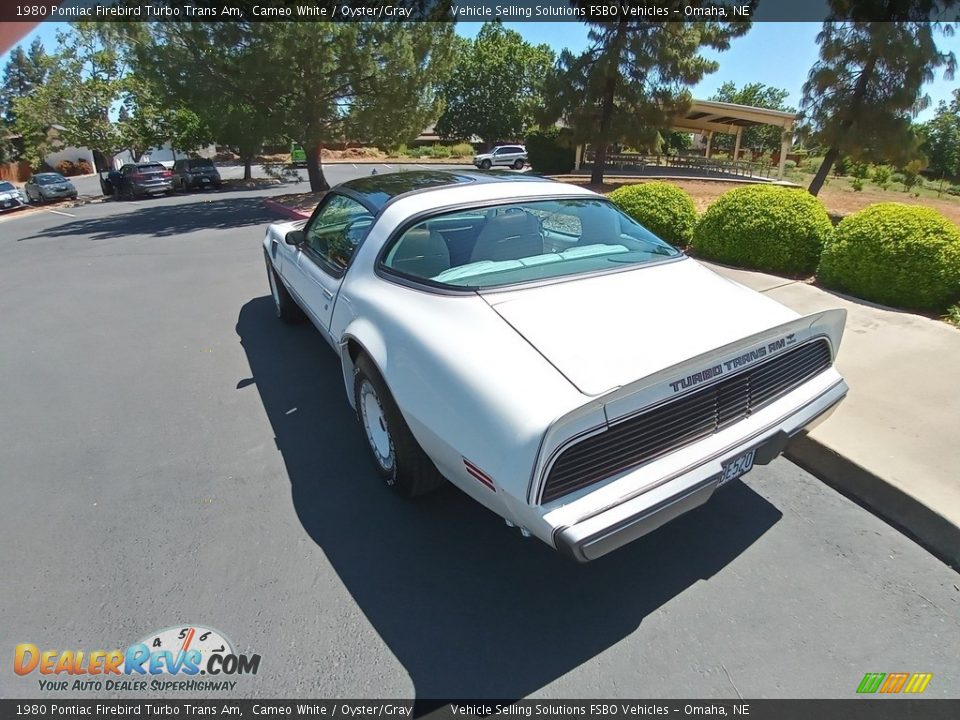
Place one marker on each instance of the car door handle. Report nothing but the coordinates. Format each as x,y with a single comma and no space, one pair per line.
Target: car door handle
326,293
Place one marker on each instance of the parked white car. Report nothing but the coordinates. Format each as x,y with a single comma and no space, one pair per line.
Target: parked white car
555,360
514,156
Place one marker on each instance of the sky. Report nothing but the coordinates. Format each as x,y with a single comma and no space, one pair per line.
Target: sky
777,54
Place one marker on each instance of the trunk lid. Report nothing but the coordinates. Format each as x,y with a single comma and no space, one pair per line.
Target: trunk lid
608,331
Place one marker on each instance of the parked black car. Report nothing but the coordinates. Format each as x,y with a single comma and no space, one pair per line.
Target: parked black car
194,173
44,187
137,180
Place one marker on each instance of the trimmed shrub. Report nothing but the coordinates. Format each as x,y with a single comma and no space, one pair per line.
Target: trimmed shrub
664,209
66,168
549,153
460,150
84,167
765,227
906,256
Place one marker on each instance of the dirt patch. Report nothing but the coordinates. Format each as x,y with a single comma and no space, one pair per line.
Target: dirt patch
303,202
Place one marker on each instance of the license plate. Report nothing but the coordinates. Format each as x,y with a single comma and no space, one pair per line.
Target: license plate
204,180
8,203
737,467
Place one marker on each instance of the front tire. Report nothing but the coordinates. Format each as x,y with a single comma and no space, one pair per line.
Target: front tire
397,456
284,306
485,164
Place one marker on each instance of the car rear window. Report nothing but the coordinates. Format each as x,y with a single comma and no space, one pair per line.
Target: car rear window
6,187
496,246
151,167
195,164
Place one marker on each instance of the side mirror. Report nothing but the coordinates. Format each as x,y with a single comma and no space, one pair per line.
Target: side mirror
295,237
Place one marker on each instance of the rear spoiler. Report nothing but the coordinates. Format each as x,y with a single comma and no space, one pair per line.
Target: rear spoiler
728,359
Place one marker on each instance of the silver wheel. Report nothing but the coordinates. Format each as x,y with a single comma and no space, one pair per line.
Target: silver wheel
375,427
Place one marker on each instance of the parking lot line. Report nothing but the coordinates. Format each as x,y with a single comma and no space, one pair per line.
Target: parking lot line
60,212
389,166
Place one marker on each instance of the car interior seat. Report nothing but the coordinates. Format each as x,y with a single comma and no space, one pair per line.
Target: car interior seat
598,225
421,252
508,236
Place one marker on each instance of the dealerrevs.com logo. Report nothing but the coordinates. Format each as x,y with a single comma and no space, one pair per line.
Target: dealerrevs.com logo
173,659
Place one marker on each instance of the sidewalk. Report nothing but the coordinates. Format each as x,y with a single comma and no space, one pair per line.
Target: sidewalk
894,443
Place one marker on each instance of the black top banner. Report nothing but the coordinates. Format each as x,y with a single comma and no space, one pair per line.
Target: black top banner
854,709
482,10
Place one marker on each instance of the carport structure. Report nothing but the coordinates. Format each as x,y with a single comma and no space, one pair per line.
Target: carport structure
711,116
708,117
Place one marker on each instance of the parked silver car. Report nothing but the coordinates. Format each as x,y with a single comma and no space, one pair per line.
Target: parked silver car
514,156
44,187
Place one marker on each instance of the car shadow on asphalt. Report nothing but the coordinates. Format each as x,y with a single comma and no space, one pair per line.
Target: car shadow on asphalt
206,212
469,607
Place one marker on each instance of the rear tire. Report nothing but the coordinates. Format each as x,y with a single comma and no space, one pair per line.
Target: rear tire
518,164
284,306
397,456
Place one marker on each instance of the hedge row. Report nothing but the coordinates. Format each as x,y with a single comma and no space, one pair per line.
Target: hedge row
901,255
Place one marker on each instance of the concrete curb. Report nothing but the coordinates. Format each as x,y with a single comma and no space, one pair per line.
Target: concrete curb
881,497
284,210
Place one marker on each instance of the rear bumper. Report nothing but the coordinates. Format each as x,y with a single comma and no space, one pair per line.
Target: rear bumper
153,188
610,528
200,181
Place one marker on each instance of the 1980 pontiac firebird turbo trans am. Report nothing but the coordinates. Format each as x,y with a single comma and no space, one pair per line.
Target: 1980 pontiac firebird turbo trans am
556,361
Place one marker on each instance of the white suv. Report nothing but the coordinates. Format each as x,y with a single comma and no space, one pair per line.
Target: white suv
514,156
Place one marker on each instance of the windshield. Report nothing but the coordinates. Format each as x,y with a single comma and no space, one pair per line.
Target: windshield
507,245
6,187
49,179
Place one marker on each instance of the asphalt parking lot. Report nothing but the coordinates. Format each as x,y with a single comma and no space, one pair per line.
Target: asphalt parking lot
172,454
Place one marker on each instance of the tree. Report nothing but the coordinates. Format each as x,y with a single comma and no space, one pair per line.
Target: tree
376,82
940,139
86,81
315,83
225,85
633,79
496,85
861,94
24,71
760,138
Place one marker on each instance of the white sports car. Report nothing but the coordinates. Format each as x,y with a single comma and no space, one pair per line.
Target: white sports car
556,361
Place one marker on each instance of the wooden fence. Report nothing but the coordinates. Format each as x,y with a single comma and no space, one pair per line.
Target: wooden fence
638,164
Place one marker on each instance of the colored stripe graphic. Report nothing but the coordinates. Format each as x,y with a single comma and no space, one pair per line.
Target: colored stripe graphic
918,682
479,474
871,682
894,682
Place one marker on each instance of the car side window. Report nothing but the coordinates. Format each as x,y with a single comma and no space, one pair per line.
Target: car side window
336,232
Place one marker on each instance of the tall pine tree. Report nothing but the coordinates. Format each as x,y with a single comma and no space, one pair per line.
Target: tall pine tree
634,77
861,94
